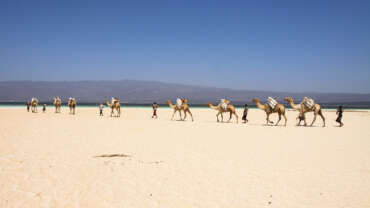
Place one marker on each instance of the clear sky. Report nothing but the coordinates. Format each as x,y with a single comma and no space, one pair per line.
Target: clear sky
321,46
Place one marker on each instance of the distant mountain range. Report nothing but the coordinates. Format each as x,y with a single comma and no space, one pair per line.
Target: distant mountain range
132,91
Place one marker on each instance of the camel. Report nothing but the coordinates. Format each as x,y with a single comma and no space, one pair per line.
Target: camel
72,105
184,107
57,103
115,105
302,108
34,103
279,108
230,108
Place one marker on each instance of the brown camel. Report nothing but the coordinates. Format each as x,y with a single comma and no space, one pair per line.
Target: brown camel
34,104
279,108
302,108
230,108
115,106
57,103
184,107
72,105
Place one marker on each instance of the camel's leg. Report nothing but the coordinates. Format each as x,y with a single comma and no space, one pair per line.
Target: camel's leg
305,122
299,123
222,117
180,115
314,118
268,119
237,118
190,115
119,111
231,115
217,116
173,114
185,112
322,116
285,119
278,119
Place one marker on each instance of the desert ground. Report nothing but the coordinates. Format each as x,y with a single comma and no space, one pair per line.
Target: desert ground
83,160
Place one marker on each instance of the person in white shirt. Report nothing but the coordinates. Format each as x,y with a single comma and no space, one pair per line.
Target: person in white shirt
101,106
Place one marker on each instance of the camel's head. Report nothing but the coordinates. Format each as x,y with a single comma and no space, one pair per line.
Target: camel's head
256,100
168,102
288,99
208,104
184,100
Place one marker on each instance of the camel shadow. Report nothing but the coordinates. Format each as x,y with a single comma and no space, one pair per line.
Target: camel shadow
113,155
272,125
251,124
178,120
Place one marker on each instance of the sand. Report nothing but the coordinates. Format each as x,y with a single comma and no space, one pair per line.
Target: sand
52,160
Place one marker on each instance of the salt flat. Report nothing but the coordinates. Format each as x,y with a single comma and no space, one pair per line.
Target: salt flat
61,160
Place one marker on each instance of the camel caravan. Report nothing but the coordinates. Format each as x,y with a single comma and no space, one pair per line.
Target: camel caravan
224,106
56,101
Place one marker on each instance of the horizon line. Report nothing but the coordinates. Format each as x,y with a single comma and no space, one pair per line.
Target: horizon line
189,85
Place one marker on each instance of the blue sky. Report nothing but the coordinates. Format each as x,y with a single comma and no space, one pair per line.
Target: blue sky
298,46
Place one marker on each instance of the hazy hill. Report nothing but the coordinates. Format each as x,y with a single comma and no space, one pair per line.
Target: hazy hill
130,91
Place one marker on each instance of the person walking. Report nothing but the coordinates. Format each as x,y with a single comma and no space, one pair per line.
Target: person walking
101,107
155,107
28,103
301,118
245,113
340,115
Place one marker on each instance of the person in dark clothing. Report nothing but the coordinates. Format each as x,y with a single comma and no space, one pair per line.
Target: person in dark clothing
340,114
155,107
28,103
245,113
44,108
101,107
300,117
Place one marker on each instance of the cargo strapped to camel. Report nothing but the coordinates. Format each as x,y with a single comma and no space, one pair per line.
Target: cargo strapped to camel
179,102
309,102
272,102
224,103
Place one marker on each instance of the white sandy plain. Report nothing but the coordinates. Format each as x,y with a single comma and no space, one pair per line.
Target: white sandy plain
49,160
